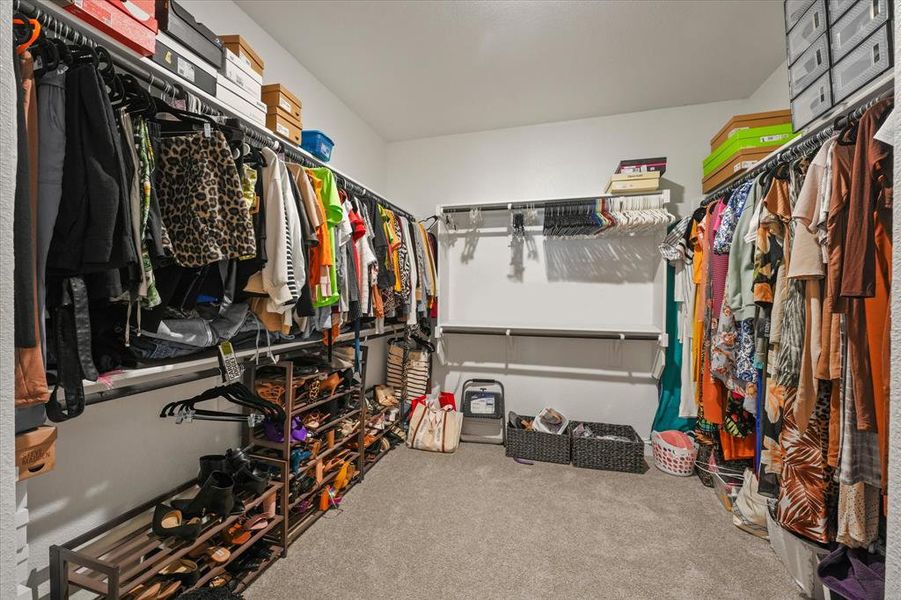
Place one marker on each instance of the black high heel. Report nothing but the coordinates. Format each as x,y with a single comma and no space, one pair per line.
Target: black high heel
171,522
216,496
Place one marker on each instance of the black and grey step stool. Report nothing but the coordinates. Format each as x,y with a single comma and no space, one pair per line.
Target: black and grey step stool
483,412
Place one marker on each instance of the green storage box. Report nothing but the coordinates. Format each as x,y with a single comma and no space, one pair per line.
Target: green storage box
753,137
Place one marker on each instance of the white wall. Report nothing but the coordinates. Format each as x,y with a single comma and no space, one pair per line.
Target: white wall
596,381
359,150
8,544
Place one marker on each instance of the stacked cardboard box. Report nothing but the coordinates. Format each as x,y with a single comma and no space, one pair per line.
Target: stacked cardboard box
741,142
241,79
283,112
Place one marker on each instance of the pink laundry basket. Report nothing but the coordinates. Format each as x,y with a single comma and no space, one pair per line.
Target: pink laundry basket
674,452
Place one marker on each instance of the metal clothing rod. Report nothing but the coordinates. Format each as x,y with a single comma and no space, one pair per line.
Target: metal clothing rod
525,204
66,27
164,376
806,144
542,332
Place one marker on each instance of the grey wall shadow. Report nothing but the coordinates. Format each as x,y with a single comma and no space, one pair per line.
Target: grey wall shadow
606,259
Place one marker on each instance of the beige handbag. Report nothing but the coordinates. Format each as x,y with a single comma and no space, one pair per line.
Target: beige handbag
434,429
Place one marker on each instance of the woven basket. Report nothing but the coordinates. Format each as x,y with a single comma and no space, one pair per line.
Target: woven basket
537,445
609,455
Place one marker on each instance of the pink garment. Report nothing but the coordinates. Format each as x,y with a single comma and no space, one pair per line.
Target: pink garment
719,263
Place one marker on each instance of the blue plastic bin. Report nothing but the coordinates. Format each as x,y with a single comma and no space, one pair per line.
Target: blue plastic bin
317,143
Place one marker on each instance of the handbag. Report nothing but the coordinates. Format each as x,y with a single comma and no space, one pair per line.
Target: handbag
434,429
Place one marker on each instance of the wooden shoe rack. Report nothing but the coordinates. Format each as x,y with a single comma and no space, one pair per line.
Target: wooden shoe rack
113,559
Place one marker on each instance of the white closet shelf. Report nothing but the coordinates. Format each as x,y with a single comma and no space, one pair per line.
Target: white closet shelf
169,374
542,202
637,334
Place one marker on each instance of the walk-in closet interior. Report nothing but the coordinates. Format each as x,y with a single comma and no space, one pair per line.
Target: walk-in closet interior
497,299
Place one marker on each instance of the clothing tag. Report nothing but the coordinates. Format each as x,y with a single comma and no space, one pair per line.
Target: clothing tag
207,130
228,363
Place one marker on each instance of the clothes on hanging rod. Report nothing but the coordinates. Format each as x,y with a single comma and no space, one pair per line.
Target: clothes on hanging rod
163,232
782,287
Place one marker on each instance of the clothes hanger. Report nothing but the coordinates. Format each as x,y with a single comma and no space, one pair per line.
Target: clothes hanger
26,32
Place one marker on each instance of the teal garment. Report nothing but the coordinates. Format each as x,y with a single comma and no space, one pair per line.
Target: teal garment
670,387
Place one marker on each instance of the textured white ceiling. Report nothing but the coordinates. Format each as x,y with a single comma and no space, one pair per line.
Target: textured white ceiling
420,69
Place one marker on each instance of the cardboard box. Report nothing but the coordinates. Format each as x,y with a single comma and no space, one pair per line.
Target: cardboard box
286,128
740,162
243,50
240,74
637,176
633,186
196,36
739,122
769,137
186,65
36,452
236,99
116,23
275,94
282,113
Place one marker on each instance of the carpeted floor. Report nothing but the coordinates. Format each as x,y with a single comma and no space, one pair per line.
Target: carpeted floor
475,524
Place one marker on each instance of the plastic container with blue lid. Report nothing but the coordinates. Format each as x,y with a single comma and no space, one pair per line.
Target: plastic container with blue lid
317,143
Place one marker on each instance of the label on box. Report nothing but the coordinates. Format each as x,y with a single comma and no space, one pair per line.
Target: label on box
774,138
285,105
746,164
185,69
282,130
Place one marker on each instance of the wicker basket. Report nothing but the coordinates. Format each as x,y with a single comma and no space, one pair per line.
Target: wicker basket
609,455
537,445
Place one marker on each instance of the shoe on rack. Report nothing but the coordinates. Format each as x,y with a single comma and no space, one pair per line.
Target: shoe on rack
251,479
170,522
216,496
184,570
210,463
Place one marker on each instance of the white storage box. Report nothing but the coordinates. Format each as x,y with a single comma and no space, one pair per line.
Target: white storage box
243,76
236,99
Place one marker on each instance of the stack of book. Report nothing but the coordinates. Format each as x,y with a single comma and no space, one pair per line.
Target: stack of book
637,176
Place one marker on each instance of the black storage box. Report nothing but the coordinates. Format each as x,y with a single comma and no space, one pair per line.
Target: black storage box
184,67
181,25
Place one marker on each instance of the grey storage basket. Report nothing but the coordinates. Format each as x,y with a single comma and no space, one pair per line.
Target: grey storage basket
609,455
537,445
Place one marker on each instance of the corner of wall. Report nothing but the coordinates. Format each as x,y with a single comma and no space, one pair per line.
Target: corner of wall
773,92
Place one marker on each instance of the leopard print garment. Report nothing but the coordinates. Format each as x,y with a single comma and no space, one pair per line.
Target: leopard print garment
201,200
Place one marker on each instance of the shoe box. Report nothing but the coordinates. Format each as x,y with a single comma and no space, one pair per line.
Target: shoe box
127,22
283,112
186,64
233,96
188,31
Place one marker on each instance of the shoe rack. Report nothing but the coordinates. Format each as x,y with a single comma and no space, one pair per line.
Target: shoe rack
117,557
300,509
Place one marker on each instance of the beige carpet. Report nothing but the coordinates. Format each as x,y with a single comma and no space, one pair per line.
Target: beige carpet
477,525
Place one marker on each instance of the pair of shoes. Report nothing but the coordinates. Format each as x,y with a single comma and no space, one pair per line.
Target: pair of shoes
248,476
242,530
157,590
170,522
216,496
185,571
